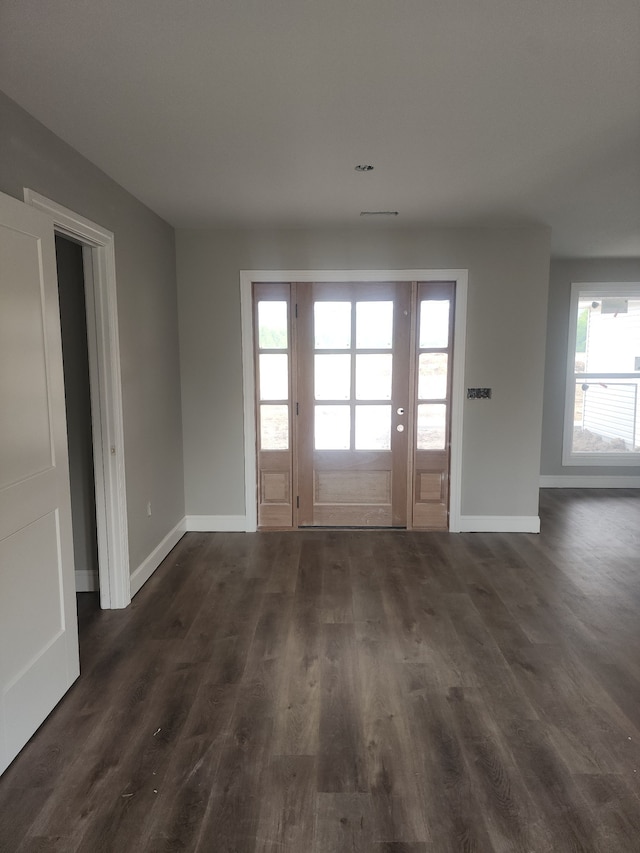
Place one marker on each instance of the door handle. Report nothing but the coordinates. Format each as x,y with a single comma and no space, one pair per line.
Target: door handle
400,410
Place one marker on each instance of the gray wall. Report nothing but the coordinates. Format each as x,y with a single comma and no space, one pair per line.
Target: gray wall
75,356
563,274
31,156
508,284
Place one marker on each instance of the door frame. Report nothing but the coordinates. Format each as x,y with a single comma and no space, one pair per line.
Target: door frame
248,277
106,396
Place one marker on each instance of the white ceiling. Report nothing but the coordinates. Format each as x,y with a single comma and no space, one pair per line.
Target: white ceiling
473,112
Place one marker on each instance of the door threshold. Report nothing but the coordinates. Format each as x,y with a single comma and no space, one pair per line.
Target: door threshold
349,527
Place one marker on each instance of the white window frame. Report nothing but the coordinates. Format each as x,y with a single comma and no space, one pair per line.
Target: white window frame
599,458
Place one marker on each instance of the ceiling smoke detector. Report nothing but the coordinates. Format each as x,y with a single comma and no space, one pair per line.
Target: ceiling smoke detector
364,167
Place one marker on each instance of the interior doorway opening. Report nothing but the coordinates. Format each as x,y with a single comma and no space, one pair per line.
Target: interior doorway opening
75,359
103,348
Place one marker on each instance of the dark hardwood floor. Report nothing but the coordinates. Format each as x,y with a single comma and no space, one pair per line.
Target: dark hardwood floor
383,692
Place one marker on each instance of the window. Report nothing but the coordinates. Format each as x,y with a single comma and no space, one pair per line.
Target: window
602,423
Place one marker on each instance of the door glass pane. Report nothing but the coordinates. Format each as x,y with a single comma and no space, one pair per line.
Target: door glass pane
332,377
373,427
274,427
432,420
432,375
374,325
332,427
274,377
373,377
332,325
272,325
434,323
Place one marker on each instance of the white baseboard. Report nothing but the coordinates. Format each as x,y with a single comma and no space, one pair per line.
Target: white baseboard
499,524
590,481
144,571
216,523
86,580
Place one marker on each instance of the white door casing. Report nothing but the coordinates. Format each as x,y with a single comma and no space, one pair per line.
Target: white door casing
38,623
106,396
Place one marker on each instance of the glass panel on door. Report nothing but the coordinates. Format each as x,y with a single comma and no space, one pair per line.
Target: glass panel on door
432,423
274,376
432,420
332,427
274,427
332,325
374,325
432,375
332,377
272,325
273,382
373,376
373,427
434,324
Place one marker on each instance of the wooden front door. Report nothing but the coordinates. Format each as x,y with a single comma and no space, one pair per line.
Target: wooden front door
353,403
353,395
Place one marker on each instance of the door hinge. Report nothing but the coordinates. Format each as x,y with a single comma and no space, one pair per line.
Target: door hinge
296,310
297,408
298,502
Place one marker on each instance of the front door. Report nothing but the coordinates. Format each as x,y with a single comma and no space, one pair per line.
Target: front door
38,624
353,394
353,403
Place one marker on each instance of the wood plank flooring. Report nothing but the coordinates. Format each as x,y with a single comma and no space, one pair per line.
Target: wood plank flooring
334,691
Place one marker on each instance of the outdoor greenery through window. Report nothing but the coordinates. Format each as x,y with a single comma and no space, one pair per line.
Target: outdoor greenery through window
602,423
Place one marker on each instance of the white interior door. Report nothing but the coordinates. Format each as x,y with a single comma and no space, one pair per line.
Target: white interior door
38,624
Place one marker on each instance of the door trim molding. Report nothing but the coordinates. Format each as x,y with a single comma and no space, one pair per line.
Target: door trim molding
106,396
247,277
